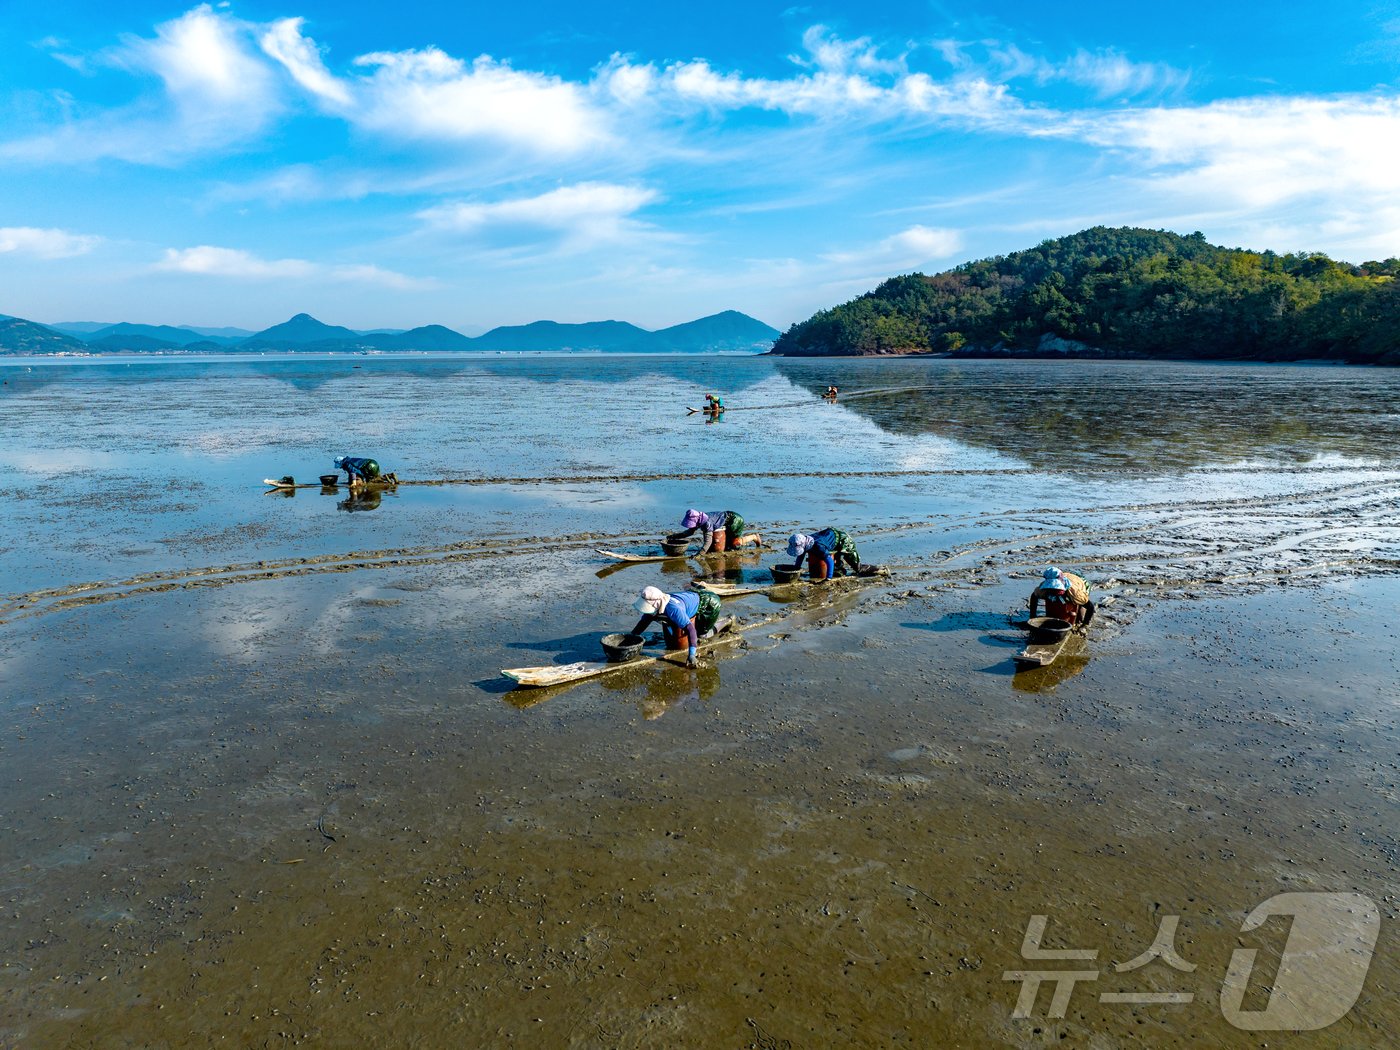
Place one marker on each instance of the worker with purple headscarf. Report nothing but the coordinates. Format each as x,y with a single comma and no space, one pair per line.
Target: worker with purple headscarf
720,531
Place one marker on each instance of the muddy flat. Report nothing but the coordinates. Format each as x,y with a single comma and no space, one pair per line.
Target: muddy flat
265,785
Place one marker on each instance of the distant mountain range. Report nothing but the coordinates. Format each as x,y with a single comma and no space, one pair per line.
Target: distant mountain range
729,330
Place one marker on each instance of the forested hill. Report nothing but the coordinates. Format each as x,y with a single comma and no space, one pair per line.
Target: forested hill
1123,293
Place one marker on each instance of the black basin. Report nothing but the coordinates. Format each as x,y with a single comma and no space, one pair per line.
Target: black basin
1046,630
619,648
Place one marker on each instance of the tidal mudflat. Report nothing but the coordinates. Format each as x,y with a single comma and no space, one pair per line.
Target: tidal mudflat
263,783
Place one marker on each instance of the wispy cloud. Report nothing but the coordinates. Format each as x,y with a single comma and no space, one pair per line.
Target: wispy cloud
1258,152
910,249
427,94
848,80
216,92
1250,161
44,243
1113,75
209,261
827,51
1108,73
284,42
582,215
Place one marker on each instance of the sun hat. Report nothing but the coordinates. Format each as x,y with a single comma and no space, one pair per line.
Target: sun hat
652,601
797,543
340,460
691,519
1054,583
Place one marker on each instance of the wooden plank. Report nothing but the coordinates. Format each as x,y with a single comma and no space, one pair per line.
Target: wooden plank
561,674
1044,655
380,485
1037,656
280,487
738,590
631,558
1040,655
733,590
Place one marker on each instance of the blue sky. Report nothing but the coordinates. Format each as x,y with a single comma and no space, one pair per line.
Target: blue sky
471,165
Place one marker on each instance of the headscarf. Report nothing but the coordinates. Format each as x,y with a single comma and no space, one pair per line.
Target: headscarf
691,519
798,544
652,601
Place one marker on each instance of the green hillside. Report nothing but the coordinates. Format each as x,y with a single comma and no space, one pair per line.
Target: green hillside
1123,293
21,337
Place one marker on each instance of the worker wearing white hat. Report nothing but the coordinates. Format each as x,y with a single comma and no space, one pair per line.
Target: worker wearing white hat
684,617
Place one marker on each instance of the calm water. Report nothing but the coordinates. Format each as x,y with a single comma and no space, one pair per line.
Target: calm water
261,781
118,467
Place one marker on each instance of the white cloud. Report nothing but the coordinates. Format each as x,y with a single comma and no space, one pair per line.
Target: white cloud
283,41
1113,75
909,249
1263,172
430,95
830,53
207,260
217,92
1260,152
204,61
585,214
829,93
231,262
44,243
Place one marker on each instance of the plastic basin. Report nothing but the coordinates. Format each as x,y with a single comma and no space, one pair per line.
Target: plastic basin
1046,630
619,648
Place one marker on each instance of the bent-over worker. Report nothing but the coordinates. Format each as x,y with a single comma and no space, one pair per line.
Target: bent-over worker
686,615
1066,597
358,469
714,403
829,553
720,530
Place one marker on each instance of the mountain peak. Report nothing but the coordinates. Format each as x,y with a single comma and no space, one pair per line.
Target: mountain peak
297,331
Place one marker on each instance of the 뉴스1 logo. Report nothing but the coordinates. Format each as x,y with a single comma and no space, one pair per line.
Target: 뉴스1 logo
1320,974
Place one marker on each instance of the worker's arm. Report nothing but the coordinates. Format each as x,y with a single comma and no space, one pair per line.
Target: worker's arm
694,643
709,539
642,624
1035,601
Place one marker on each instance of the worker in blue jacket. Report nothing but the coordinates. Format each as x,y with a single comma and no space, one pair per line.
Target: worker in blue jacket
686,615
357,469
828,553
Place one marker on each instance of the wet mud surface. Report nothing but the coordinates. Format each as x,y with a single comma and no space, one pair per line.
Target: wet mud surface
282,796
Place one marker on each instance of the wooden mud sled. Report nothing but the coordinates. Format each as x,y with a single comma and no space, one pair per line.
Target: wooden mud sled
284,485
726,633
632,559
1044,653
738,590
